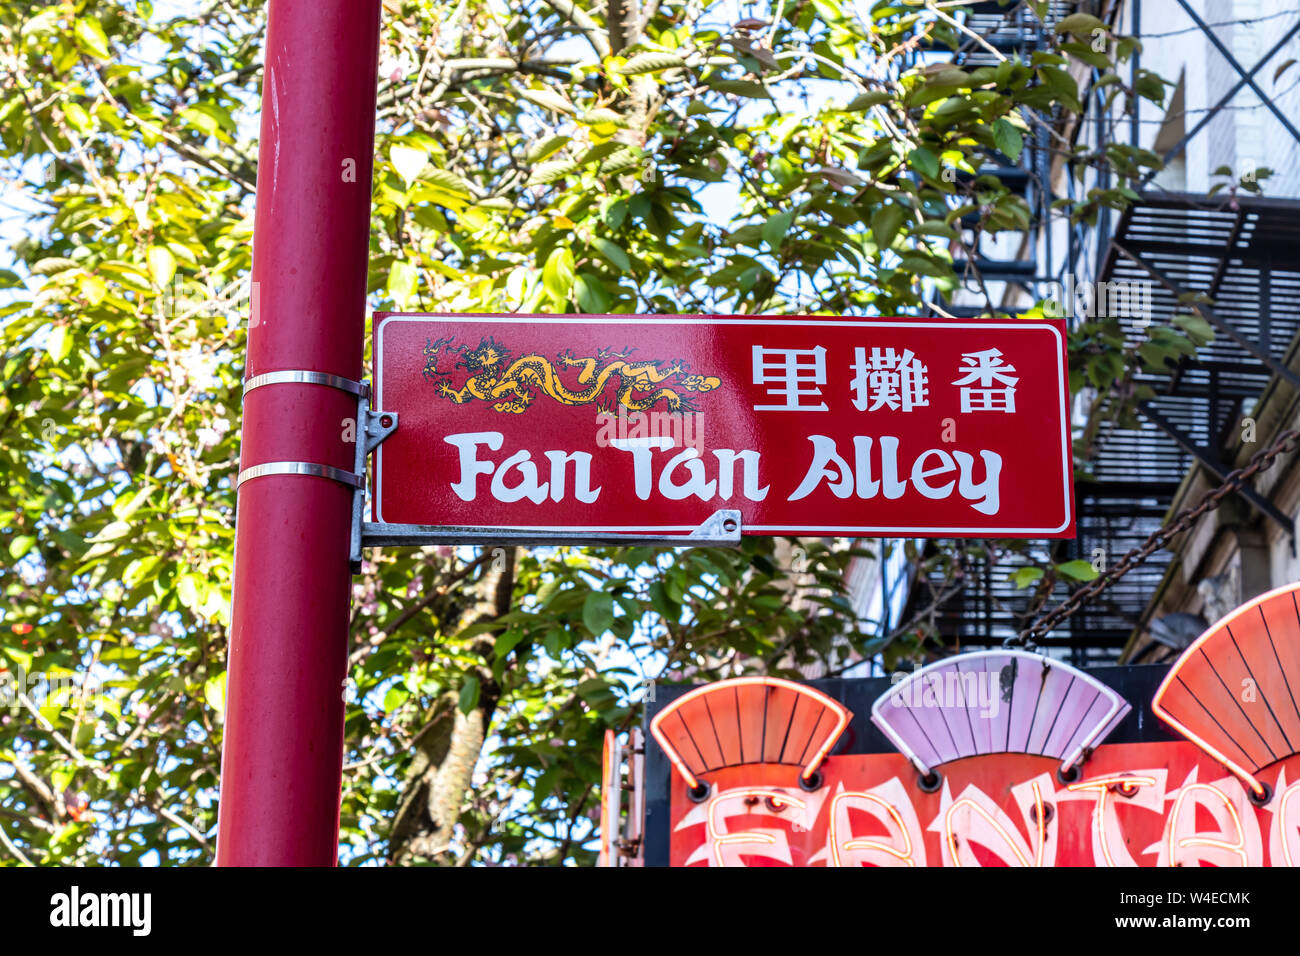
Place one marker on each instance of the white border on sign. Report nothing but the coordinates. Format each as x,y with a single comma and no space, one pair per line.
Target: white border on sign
1066,470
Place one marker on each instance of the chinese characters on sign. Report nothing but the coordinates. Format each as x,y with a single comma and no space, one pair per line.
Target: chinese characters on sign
898,381
795,373
651,424
889,379
985,370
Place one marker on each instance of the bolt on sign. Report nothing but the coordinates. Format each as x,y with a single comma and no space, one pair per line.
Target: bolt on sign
651,424
992,758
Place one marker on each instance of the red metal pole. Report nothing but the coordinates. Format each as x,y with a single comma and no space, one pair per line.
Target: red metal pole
282,760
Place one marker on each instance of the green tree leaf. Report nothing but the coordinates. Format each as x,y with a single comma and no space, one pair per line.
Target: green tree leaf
652,62
1023,577
59,343
775,229
1008,139
558,274
408,161
598,612
214,692
885,223
469,694
1080,24
613,253
162,265
925,161
1078,570
402,282
864,101
91,38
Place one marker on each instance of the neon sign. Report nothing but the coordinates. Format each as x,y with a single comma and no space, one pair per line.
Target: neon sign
1001,758
1161,804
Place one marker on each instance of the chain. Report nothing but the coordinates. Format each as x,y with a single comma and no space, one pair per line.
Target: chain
1260,462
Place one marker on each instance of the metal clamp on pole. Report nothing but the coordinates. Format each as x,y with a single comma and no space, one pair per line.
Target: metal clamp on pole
299,468
293,376
354,478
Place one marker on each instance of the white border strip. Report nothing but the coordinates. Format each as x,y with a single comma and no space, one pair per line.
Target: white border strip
1066,464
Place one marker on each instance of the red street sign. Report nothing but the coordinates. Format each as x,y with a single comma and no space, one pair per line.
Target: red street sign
650,424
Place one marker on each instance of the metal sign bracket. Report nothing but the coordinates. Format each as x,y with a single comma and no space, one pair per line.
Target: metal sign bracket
373,427
722,529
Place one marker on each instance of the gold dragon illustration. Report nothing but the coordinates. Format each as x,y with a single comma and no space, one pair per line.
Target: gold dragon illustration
511,385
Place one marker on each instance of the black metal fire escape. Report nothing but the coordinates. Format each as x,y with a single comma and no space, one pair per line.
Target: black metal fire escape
1236,258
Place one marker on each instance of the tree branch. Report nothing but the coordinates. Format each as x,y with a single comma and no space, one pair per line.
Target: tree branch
597,37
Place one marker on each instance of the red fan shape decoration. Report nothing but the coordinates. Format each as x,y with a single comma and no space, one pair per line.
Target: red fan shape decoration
758,720
1235,692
